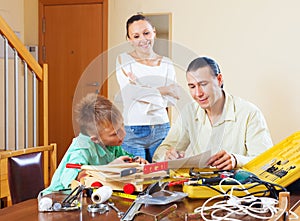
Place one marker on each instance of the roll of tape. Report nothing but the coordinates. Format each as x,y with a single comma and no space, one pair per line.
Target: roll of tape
102,194
45,204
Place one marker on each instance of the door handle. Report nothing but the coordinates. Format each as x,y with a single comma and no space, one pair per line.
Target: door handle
94,84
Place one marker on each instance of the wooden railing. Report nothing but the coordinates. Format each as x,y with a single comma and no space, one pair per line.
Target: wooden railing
39,74
24,113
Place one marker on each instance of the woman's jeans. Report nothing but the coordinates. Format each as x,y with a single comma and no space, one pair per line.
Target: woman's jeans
143,140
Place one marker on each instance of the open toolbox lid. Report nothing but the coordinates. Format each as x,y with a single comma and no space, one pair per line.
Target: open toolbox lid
279,165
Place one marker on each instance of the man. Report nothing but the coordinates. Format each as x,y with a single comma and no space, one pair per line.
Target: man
234,130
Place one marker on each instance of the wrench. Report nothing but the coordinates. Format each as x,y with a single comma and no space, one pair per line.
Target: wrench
112,205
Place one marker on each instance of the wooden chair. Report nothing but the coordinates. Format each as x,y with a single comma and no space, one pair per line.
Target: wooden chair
28,171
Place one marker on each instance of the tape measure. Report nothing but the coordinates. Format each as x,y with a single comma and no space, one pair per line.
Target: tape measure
124,195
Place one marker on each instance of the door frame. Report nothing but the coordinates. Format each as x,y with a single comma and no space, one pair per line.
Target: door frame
166,25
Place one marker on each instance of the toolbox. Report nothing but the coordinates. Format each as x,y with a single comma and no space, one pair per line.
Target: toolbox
279,165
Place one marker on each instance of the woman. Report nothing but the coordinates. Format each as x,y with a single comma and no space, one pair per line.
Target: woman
147,84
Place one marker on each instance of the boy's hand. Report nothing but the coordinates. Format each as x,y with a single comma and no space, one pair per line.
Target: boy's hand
127,159
139,160
120,160
81,174
136,159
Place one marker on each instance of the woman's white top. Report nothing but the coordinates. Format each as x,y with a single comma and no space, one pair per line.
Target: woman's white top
142,102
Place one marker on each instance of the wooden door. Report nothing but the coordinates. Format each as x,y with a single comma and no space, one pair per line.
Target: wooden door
72,34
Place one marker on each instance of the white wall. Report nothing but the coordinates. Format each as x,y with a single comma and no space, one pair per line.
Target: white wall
256,43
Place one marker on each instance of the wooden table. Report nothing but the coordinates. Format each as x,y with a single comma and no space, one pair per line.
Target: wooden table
28,211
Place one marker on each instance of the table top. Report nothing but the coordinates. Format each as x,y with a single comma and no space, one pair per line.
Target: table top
28,211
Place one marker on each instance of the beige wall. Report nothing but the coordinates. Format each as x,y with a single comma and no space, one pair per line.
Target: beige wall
22,16
254,41
31,22
12,11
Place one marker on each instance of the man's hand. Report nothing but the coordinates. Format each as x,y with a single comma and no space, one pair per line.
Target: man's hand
222,160
172,154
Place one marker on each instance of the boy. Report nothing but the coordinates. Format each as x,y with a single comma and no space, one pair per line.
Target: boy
101,134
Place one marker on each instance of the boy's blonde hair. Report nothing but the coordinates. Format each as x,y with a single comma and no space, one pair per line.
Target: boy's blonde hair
95,112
